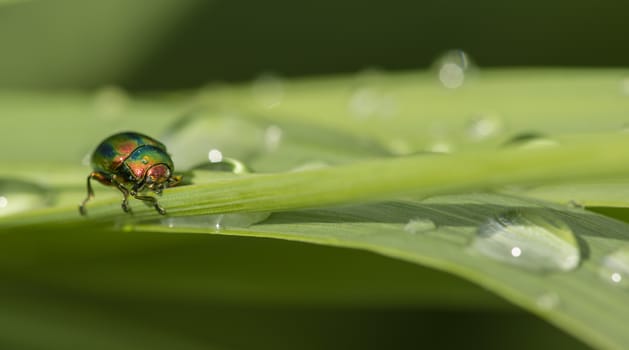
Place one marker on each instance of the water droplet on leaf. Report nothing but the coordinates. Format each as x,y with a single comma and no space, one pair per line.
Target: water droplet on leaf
110,102
17,196
454,68
548,301
615,268
268,90
440,147
419,225
484,126
369,102
272,137
624,86
215,156
192,138
215,222
399,147
532,239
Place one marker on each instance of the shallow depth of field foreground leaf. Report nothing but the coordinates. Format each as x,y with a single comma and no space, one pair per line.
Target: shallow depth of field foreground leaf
393,164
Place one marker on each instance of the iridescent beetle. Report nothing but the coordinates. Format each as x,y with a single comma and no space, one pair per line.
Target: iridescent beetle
132,162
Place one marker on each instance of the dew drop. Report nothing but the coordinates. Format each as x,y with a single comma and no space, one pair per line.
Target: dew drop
624,86
370,102
548,301
110,102
440,147
484,126
197,137
575,204
215,222
272,137
419,225
516,252
400,147
225,164
453,68
87,159
268,90
532,239
615,268
215,156
17,196
313,165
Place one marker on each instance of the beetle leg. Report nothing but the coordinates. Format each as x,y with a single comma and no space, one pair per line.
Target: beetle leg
100,177
125,194
152,201
174,180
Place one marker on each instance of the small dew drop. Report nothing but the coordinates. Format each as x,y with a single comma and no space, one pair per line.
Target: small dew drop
17,196
548,301
190,138
624,86
215,222
314,165
516,252
440,147
87,158
215,156
221,164
399,147
615,268
272,137
370,102
575,204
110,102
528,238
484,126
451,75
268,90
453,68
419,225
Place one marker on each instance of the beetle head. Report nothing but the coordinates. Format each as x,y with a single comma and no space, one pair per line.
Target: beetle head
157,177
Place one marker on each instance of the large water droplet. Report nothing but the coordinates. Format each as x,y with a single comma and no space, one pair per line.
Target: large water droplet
17,196
202,136
453,68
419,225
484,126
215,222
532,239
268,90
615,268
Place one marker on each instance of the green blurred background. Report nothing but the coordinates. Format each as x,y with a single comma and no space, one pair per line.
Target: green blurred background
161,45
168,44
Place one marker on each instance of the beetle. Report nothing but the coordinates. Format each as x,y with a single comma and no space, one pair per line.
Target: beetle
133,163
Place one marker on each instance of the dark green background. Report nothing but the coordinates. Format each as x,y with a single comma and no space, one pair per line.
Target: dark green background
166,44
